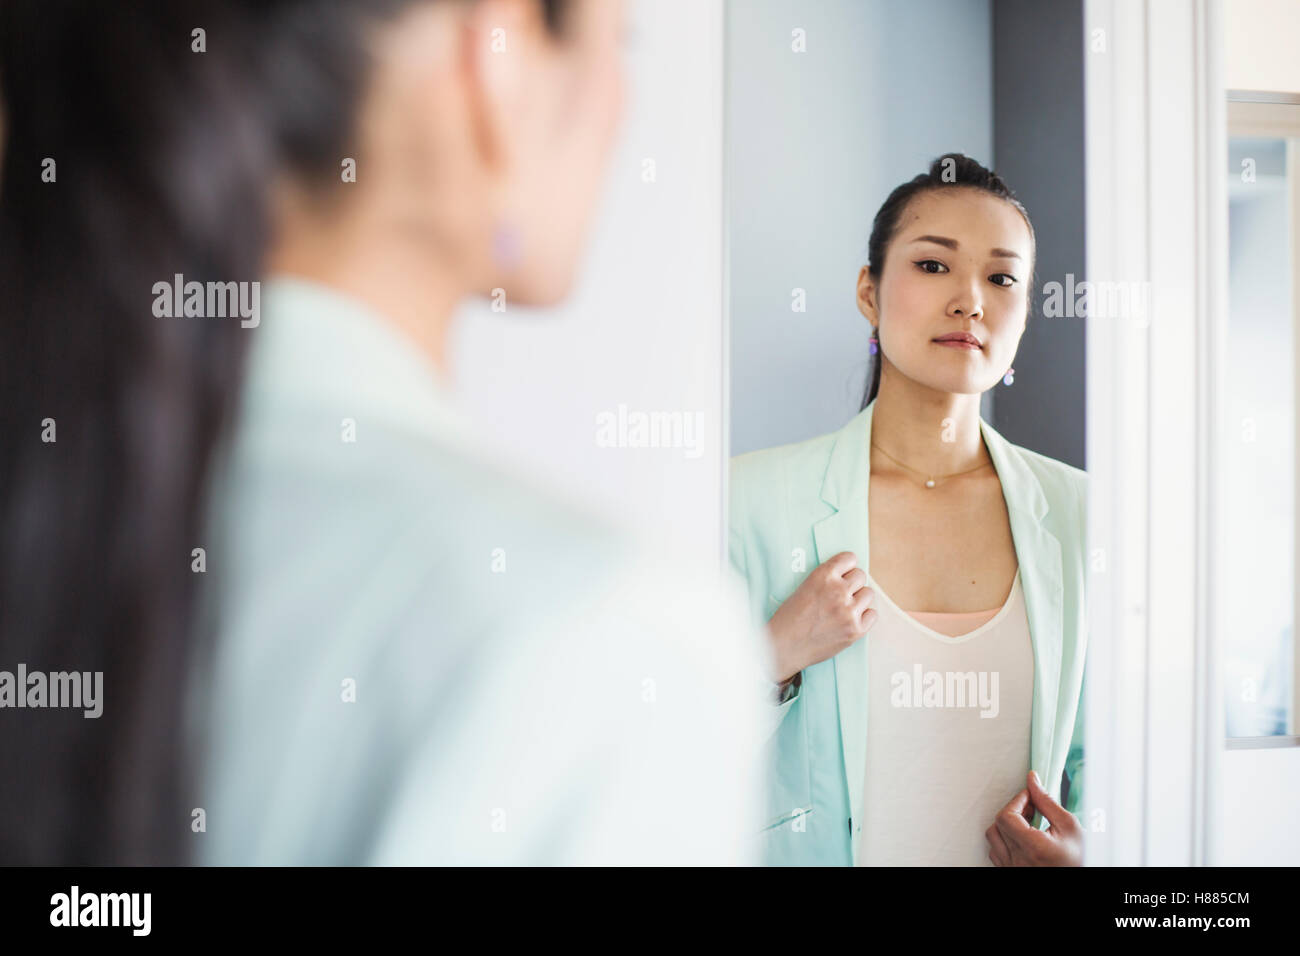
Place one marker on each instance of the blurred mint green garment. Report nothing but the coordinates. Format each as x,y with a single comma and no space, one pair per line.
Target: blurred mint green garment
811,496
529,687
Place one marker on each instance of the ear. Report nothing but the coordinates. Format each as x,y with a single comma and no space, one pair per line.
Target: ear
497,44
867,296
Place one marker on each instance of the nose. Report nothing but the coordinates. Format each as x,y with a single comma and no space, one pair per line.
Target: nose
966,303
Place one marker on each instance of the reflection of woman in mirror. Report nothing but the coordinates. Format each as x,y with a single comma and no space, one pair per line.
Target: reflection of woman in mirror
930,656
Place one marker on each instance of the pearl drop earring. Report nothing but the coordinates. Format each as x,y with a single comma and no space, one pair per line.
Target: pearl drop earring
1010,377
875,344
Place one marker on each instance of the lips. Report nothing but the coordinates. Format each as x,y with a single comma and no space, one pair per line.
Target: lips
960,338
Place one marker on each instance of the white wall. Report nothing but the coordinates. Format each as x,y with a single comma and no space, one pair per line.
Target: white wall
644,327
1263,45
1259,788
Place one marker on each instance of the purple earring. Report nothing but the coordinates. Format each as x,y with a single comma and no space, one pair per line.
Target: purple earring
505,245
875,344
1010,377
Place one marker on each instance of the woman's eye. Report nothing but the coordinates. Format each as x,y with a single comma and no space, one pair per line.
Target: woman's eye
1011,280
931,262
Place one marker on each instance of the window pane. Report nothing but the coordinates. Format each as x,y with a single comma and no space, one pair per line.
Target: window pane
1260,468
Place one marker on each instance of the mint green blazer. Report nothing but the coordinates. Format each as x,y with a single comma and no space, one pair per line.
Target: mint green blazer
793,507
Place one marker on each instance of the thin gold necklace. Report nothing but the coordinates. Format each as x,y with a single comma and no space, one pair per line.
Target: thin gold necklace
930,480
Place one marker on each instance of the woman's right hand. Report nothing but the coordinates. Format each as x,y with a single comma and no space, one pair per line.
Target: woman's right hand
826,613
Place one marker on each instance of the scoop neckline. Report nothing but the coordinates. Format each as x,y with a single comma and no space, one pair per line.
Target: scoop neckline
946,638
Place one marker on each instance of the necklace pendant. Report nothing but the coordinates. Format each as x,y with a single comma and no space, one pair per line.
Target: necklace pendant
929,483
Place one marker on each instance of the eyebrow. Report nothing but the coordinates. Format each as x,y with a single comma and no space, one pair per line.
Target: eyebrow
952,244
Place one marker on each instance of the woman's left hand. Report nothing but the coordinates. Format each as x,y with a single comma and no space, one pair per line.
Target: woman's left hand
1013,840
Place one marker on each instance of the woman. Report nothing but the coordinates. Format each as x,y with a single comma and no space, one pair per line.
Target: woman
417,657
932,662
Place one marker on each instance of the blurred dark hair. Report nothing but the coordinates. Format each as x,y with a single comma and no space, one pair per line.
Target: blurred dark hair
163,157
949,171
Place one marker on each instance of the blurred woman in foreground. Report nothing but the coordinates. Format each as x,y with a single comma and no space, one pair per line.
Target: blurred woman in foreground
415,657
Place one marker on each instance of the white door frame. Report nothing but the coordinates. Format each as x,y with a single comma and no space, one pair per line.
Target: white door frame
1157,218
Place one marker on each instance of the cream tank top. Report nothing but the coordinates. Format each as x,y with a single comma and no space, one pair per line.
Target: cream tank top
947,730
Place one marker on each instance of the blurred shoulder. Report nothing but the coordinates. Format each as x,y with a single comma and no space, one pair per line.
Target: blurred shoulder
527,560
511,649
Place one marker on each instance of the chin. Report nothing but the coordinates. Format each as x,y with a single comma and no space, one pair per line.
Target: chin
969,381
543,287
958,387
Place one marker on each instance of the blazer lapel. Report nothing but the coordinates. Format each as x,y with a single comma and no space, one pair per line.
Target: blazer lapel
1038,552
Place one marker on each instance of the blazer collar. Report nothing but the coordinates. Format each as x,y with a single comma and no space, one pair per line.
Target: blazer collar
320,348
845,488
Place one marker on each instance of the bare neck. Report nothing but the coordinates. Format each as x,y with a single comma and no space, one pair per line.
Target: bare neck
394,275
931,432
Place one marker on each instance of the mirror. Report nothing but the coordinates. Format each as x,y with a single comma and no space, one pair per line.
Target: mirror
959,493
